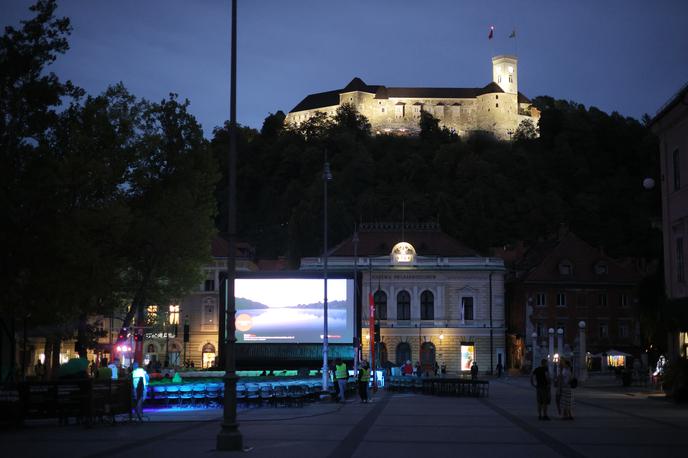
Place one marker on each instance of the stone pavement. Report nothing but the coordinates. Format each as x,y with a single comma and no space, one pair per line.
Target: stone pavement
609,423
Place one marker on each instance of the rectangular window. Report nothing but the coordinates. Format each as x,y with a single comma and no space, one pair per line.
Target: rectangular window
540,299
677,170
623,330
602,299
561,299
209,285
467,308
604,329
623,300
511,79
174,314
541,331
680,273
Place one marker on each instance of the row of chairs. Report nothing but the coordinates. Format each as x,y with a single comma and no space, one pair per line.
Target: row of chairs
277,393
405,383
190,394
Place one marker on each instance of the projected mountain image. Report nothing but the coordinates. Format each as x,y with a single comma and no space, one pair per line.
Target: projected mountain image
279,319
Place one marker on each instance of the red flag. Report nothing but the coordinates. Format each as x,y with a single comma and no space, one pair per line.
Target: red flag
489,37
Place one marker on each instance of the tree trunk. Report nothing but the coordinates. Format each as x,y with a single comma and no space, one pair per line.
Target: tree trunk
81,339
48,360
57,344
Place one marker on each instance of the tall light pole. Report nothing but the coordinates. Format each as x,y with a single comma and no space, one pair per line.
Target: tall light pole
229,437
357,327
327,176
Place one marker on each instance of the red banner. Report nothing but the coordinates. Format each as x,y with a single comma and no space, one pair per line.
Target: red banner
371,303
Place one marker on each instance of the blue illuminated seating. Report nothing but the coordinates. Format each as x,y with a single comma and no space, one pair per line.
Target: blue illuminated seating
212,392
159,393
240,392
198,392
172,392
185,393
266,393
253,393
296,394
280,394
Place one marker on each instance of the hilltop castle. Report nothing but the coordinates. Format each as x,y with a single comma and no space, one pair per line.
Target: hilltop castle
497,107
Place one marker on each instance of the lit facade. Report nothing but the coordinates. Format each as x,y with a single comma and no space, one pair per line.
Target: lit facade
434,297
497,107
671,125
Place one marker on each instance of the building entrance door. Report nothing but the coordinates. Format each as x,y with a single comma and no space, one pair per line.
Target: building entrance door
427,357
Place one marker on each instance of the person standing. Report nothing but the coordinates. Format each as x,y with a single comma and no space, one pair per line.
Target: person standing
140,380
342,374
363,380
499,369
104,372
541,381
114,367
566,391
39,369
474,371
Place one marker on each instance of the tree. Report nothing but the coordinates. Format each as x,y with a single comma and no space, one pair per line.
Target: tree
526,130
170,197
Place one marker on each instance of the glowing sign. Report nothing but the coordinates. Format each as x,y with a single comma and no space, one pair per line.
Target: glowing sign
403,253
467,356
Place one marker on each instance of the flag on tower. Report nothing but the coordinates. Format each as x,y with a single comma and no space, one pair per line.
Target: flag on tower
489,37
513,34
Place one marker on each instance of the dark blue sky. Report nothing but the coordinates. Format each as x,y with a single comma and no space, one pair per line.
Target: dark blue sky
628,56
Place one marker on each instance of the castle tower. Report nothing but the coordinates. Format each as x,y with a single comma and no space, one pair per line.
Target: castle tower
505,73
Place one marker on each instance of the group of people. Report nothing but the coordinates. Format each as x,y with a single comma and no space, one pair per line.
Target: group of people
564,382
341,378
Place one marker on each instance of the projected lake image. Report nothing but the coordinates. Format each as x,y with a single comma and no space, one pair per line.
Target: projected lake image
291,310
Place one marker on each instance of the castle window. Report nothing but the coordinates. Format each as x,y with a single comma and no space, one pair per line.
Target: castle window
511,79
496,96
382,109
496,105
499,79
399,110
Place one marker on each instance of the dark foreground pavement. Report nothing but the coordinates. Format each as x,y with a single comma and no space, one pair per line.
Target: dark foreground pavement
608,423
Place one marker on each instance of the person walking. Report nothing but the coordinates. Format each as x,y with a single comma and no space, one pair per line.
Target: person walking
140,382
363,380
342,374
541,381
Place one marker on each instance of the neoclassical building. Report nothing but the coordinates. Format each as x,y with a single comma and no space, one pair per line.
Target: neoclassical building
435,298
497,107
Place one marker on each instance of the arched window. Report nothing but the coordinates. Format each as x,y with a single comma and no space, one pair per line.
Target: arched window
403,353
151,348
427,305
380,299
403,305
427,357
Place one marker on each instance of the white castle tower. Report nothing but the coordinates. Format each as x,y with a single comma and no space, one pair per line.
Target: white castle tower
505,73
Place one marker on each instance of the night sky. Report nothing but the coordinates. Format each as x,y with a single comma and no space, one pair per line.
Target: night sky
618,55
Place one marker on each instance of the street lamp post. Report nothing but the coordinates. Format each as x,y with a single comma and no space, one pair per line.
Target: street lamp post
582,365
534,345
327,176
550,356
357,337
229,437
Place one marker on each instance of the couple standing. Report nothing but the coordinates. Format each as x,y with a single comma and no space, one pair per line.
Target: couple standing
541,380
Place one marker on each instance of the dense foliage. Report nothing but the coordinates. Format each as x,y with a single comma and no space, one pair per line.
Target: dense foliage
107,200
585,170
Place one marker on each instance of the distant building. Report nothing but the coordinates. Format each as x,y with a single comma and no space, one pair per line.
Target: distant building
559,283
497,107
436,300
671,125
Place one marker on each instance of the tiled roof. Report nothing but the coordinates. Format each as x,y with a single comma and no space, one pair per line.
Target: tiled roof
543,259
523,99
218,248
331,98
379,239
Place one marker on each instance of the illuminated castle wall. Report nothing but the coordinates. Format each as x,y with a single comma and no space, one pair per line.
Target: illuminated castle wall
497,107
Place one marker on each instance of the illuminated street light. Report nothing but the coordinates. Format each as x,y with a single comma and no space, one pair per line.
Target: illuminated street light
327,176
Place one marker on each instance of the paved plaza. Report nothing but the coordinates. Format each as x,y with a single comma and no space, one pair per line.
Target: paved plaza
610,422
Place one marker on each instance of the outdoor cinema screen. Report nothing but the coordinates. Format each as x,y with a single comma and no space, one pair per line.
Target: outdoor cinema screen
290,310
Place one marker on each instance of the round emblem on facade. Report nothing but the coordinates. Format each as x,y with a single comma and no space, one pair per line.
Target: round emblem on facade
403,253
